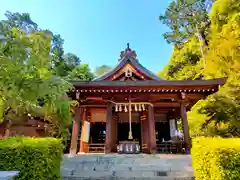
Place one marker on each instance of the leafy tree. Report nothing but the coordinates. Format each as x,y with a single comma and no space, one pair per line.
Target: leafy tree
224,55
27,84
71,60
185,62
64,64
81,72
16,20
61,63
219,114
187,18
102,69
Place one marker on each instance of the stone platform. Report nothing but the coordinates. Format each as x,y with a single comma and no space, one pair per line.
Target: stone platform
121,166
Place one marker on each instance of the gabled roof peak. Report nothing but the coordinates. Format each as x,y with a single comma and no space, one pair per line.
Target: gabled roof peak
128,54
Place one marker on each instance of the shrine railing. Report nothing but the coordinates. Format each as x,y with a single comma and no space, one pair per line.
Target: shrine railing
96,148
171,147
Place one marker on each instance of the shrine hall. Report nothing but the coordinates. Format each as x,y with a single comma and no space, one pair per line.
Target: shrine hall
131,110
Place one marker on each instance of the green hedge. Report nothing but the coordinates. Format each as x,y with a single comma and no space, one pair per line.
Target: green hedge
35,158
216,158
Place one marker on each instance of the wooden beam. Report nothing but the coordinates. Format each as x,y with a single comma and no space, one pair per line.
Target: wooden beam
185,127
75,130
94,105
152,133
167,104
123,94
108,128
83,145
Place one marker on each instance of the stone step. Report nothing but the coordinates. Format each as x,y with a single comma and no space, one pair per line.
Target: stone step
101,168
96,167
127,174
127,178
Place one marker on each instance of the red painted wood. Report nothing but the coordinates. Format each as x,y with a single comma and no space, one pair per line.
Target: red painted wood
83,145
145,134
73,146
185,128
108,129
152,133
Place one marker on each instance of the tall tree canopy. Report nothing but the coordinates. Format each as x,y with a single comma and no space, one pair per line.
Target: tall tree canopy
33,72
219,114
62,64
27,84
186,18
81,72
102,69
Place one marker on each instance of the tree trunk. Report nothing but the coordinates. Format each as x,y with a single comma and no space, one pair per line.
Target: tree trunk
201,46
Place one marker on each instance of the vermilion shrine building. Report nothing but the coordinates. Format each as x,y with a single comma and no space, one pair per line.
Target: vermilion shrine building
130,103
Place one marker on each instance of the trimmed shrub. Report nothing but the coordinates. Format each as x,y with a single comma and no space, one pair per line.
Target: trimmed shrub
216,158
35,158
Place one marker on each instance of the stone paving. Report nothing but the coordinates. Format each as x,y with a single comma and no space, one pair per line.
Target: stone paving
116,166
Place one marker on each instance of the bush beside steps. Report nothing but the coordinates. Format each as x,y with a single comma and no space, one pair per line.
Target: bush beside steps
35,158
216,158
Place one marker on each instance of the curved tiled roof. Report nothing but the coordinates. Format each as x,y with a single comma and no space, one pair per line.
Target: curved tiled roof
129,56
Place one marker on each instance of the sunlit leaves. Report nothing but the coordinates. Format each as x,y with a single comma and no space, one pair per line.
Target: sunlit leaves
27,84
81,72
219,114
185,19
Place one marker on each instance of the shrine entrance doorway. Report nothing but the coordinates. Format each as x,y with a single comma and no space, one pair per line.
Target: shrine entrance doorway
123,131
97,133
123,128
97,137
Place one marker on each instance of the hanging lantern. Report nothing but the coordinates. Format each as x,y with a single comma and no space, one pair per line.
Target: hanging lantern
136,107
125,108
120,108
143,107
116,108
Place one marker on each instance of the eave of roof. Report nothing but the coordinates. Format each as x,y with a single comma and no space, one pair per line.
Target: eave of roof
151,83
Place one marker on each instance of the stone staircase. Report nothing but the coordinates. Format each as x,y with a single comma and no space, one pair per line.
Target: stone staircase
115,166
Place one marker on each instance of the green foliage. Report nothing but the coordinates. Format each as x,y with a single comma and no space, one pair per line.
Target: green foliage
27,84
216,158
17,20
81,72
31,61
222,11
35,158
62,64
101,70
185,62
185,19
219,114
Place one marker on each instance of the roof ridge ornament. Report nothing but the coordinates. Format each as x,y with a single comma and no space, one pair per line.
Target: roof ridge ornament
128,53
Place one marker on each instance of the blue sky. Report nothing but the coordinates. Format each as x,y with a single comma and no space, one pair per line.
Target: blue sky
97,30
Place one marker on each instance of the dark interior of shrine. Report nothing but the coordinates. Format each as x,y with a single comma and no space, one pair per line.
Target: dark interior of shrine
162,131
123,131
98,132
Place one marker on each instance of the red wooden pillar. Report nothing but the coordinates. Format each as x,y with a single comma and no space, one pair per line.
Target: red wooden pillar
185,128
144,134
75,130
152,132
114,133
108,128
